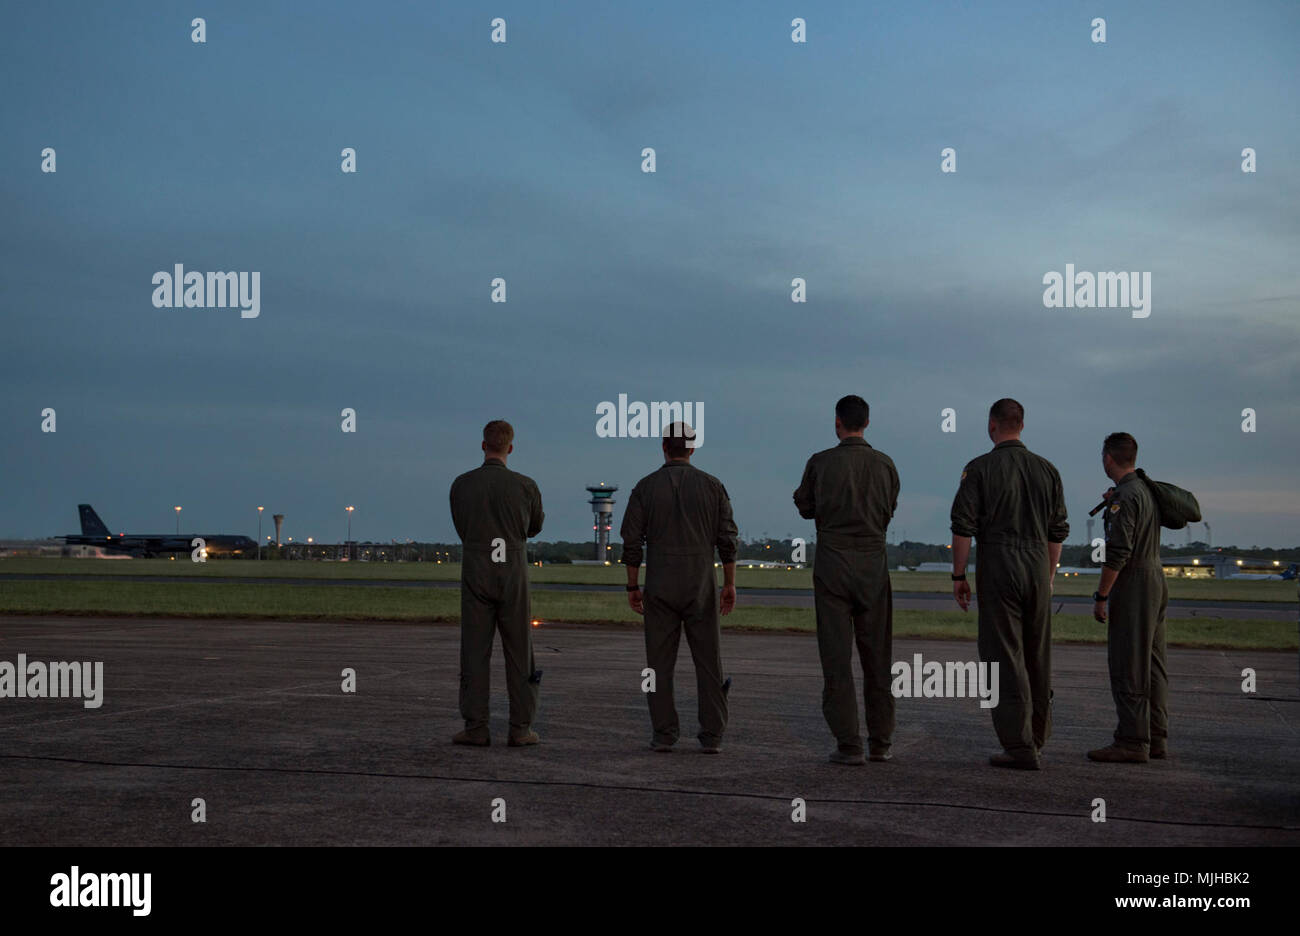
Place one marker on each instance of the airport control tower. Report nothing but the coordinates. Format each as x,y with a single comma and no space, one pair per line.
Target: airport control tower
602,511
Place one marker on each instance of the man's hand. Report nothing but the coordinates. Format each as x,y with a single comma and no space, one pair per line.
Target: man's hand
961,591
728,599
1099,612
634,600
1110,492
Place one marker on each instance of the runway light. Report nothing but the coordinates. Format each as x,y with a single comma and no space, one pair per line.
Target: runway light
536,623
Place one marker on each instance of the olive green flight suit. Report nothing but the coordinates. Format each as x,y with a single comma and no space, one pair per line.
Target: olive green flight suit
493,502
1135,632
852,491
1011,501
681,514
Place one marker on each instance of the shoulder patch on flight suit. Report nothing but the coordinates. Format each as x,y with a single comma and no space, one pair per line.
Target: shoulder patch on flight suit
963,476
1114,508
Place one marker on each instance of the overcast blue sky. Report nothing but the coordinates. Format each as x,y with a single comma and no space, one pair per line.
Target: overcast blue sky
523,160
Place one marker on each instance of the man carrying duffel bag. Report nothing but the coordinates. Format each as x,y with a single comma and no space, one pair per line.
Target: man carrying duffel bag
1133,585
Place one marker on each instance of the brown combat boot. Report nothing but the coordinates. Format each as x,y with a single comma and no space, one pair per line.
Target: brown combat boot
474,740
1159,748
523,740
1114,754
848,758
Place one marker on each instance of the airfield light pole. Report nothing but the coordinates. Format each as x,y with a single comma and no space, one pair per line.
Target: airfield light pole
178,521
259,532
349,542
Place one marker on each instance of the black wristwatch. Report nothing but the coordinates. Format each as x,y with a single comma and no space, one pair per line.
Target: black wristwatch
1098,596
633,588
959,578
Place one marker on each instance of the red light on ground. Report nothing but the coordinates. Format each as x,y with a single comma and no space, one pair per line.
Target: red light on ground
537,623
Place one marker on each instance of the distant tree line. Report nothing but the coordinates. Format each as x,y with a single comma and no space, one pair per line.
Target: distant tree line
907,553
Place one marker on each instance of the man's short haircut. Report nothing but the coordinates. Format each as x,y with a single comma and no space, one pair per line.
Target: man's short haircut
1122,447
853,412
1008,414
498,435
676,436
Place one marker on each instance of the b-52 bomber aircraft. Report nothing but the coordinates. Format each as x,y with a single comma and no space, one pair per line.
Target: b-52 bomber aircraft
145,545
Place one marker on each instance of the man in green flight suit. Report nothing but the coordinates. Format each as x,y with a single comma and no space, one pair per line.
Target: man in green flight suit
495,511
1012,502
851,490
1133,582
680,514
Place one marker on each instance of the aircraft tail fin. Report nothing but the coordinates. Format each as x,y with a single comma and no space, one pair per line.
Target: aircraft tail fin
91,525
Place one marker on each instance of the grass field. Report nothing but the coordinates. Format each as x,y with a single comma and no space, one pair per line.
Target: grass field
1204,590
307,602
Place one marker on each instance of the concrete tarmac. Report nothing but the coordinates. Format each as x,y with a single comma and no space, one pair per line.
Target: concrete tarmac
250,717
